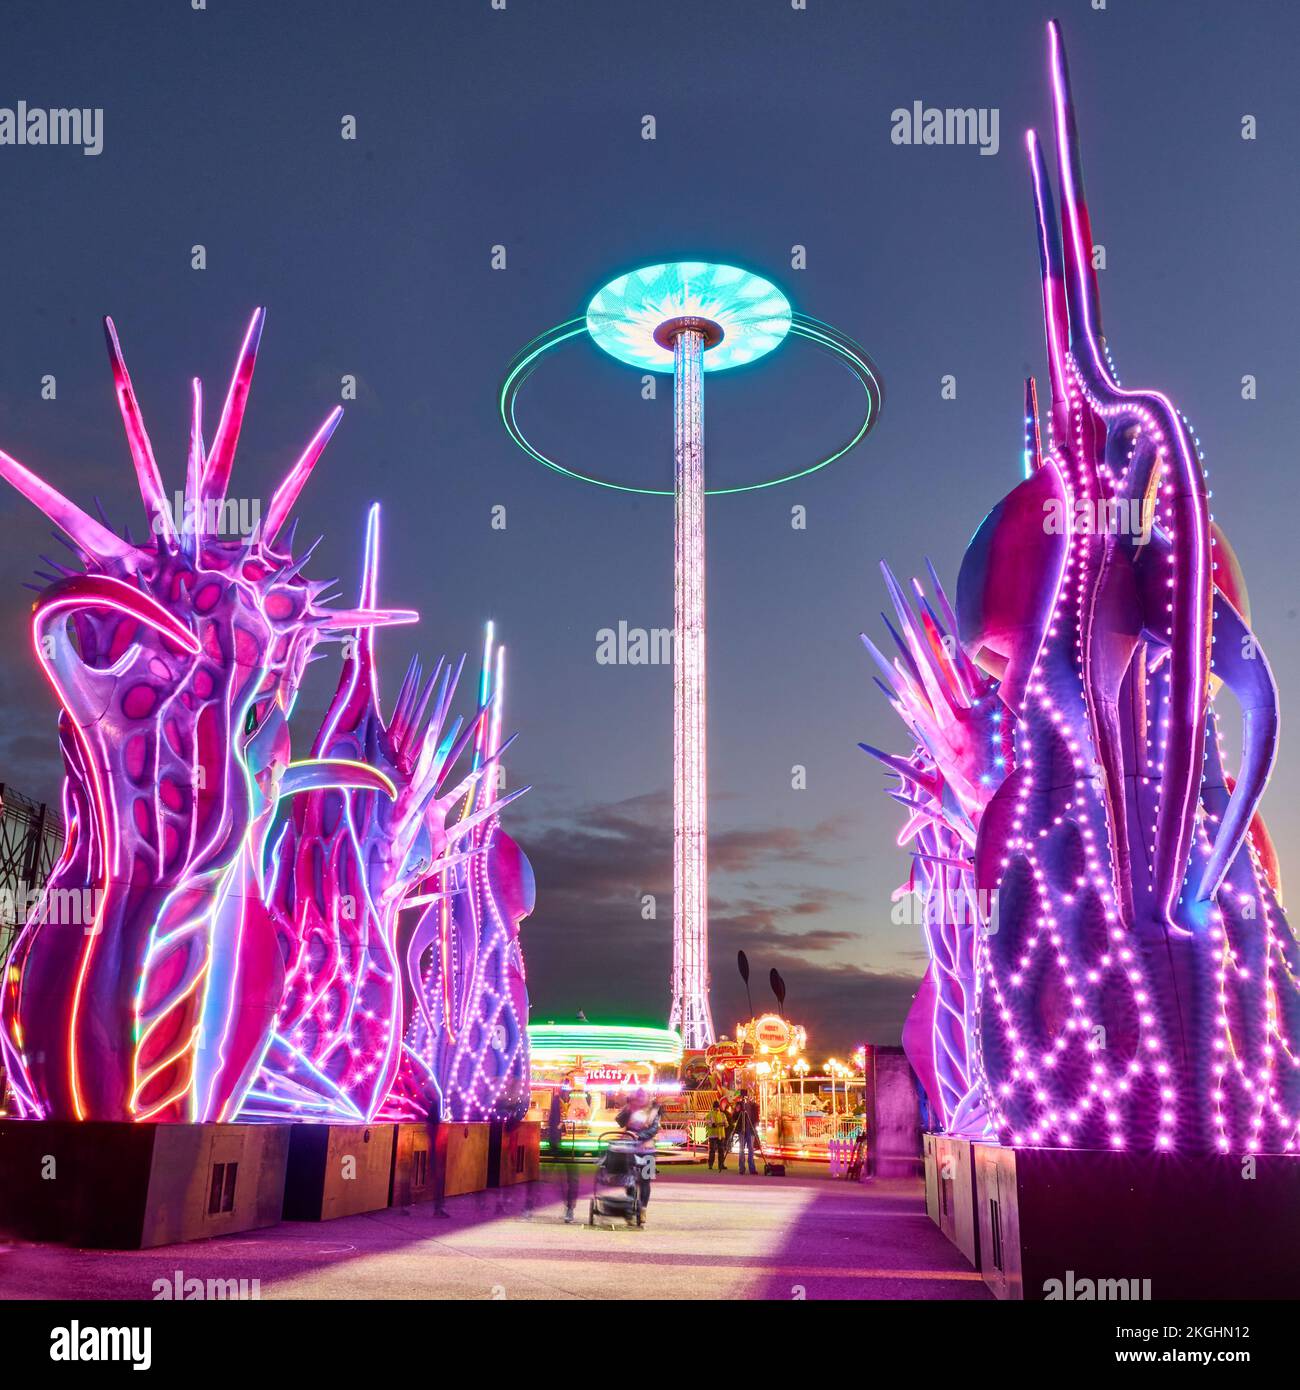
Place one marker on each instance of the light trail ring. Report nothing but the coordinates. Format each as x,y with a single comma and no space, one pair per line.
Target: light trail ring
820,334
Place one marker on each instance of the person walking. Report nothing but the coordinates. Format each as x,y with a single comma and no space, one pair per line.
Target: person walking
432,1118
716,1129
555,1142
641,1118
746,1131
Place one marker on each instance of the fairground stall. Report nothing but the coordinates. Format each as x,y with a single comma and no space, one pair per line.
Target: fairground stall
601,1066
806,1110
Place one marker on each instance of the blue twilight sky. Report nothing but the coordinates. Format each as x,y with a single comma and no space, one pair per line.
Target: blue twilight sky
522,127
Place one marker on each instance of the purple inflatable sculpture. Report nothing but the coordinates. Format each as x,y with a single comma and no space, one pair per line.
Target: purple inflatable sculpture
188,960
466,1048
1110,964
350,862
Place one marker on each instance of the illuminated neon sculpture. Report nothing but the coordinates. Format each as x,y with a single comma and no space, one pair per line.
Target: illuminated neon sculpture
946,785
348,864
177,664
690,318
1128,979
465,1053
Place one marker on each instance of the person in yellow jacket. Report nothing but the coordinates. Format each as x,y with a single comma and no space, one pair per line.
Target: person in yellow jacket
716,1128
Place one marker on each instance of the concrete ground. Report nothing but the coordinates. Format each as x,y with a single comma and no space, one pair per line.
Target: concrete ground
708,1236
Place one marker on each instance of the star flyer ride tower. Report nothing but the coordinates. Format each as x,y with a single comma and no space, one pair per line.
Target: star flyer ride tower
690,318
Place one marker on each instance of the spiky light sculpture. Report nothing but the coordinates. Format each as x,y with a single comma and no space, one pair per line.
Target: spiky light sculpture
348,864
1142,987
960,760
466,1048
176,664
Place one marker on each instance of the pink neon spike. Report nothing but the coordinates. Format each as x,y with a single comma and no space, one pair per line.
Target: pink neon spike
343,618
1081,278
1052,272
96,540
286,495
194,468
370,561
137,437
216,474
1033,441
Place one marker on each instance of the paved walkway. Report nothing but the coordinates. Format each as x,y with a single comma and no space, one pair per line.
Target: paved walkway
707,1236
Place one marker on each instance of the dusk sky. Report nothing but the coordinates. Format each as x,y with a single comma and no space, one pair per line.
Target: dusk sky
522,128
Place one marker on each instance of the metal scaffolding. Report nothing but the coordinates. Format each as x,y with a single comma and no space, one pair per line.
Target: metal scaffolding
31,840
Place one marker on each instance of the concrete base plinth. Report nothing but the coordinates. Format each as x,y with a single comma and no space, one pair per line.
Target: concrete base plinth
121,1186
414,1176
950,1192
462,1157
514,1152
337,1170
1074,1224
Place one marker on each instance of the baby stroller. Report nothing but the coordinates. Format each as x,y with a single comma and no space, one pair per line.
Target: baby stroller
617,1190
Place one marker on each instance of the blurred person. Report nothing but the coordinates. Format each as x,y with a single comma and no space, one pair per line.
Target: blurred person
745,1128
641,1117
555,1118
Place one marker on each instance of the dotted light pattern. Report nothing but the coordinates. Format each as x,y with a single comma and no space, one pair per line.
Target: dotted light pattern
753,314
1136,987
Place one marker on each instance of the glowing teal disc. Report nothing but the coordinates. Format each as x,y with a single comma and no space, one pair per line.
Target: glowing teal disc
753,314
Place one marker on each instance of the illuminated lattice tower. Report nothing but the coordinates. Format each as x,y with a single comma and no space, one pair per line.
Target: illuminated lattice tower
689,318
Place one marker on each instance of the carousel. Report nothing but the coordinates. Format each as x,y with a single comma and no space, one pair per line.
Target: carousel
806,1110
598,1067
